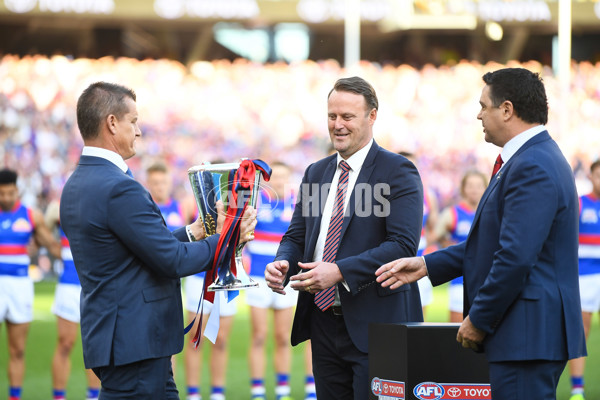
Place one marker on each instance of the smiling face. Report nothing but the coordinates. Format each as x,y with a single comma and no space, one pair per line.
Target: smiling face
126,130
350,123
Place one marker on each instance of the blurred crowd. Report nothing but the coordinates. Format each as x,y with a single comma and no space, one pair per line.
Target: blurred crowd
223,110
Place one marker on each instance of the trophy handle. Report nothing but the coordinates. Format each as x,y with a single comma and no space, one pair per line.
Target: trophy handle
208,181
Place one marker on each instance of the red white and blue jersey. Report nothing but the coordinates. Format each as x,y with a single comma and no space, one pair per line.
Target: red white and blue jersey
589,235
172,214
16,228
274,217
426,211
462,219
69,273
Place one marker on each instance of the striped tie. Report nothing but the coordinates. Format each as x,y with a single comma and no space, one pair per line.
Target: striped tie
325,298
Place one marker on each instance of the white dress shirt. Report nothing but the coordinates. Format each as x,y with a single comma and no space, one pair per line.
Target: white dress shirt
107,155
514,144
355,161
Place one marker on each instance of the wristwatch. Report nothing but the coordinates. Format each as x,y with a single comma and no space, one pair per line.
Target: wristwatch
190,235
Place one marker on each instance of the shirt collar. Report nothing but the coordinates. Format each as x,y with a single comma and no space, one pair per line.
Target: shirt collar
107,155
514,144
356,160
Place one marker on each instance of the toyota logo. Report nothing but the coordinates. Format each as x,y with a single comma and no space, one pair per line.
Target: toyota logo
454,392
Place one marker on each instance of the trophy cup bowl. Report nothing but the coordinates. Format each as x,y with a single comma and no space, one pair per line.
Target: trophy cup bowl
211,183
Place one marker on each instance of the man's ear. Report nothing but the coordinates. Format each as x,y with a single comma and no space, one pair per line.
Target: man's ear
372,116
507,109
111,123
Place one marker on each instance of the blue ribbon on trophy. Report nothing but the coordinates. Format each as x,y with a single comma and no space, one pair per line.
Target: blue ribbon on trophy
236,185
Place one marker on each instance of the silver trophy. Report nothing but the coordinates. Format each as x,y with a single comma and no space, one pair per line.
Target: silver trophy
211,183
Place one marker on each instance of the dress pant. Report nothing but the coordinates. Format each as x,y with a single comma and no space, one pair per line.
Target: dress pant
525,380
341,370
150,379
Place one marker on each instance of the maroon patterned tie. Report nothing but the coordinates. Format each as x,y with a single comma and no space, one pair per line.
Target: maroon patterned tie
325,298
497,165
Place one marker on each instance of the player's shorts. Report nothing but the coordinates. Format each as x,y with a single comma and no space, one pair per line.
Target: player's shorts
16,299
589,289
193,289
264,297
426,291
455,297
66,302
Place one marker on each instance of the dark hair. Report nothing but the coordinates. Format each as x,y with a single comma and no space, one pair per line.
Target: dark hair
594,165
8,177
97,102
357,85
523,88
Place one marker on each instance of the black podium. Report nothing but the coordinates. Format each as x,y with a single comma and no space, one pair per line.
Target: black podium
424,361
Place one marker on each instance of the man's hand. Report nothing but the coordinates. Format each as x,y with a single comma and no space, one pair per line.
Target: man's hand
247,225
197,226
220,216
470,336
401,271
275,273
320,276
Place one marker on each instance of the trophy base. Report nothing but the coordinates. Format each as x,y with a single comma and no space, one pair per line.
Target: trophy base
237,285
232,282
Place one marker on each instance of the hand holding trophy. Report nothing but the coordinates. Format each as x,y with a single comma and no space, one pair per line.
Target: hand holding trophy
235,186
246,227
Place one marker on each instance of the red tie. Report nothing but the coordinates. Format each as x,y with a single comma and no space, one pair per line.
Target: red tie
497,165
325,298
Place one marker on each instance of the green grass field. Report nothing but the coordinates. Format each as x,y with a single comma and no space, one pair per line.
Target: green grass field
42,338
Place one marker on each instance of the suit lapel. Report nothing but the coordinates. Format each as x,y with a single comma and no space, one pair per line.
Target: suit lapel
315,222
542,136
485,196
363,177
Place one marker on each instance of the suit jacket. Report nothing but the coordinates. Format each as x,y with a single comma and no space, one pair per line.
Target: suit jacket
520,259
382,222
129,264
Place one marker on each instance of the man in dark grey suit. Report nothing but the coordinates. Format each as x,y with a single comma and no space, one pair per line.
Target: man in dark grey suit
128,261
339,239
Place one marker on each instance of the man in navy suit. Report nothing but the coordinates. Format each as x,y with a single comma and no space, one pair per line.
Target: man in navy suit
128,261
519,262
357,209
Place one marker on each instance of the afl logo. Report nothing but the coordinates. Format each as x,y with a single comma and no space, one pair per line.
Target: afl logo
376,386
428,391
